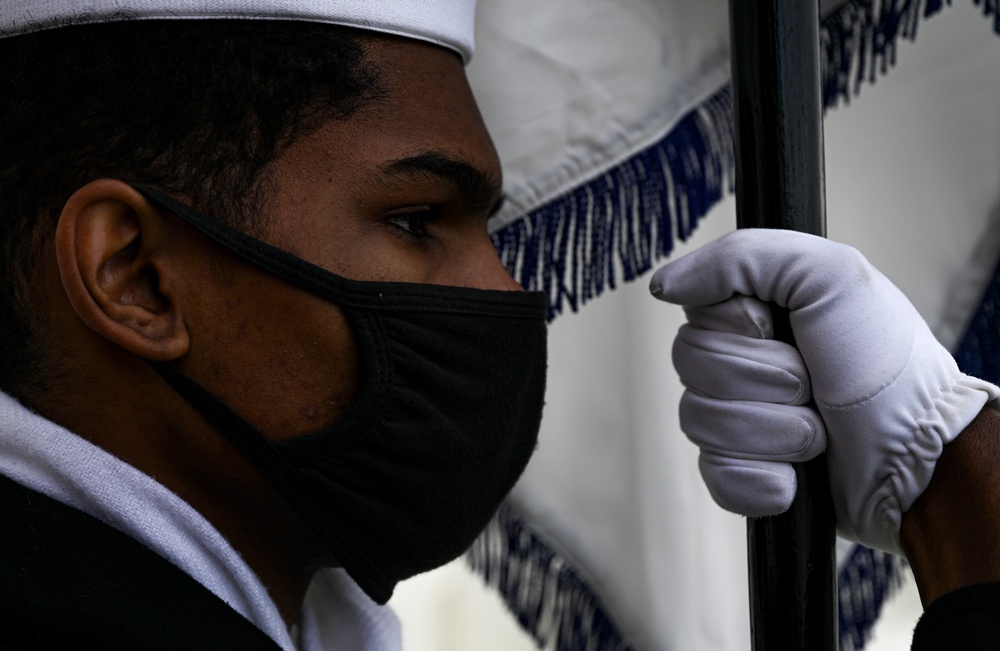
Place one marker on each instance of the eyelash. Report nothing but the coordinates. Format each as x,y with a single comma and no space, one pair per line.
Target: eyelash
412,222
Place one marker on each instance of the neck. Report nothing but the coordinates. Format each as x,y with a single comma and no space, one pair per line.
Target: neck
155,431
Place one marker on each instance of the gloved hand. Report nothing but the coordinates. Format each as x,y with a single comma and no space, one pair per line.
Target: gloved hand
890,396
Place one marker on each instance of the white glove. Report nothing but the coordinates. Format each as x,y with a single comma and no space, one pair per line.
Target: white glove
889,394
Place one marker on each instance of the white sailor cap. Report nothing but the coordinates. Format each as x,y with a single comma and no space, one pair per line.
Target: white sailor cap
445,22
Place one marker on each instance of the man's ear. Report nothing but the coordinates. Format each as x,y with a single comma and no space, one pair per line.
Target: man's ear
113,253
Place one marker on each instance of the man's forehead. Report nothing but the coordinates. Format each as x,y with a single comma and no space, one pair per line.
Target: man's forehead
448,23
424,128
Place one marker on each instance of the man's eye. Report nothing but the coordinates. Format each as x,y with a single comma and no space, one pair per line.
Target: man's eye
412,220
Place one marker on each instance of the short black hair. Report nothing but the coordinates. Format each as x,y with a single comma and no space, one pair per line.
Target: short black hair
196,107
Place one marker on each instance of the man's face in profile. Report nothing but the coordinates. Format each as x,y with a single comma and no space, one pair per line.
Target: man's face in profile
198,295
401,191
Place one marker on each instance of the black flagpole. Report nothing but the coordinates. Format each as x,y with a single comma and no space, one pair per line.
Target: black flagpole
779,184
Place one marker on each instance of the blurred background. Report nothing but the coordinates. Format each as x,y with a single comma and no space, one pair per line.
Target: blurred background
451,610
912,154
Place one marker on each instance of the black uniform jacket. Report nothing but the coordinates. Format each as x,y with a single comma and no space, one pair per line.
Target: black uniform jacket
68,581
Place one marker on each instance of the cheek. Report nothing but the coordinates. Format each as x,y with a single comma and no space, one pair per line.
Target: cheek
312,370
456,259
357,246
283,359
386,259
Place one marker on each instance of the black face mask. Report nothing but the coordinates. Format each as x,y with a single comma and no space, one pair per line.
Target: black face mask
452,385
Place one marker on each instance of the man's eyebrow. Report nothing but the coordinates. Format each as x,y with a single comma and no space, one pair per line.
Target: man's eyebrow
481,190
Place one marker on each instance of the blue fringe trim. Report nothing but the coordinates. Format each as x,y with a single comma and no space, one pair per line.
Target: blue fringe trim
991,8
560,610
866,580
858,40
616,225
548,597
979,352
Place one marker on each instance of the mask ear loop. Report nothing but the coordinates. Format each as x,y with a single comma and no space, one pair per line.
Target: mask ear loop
238,431
250,441
280,472
345,292
359,308
304,274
